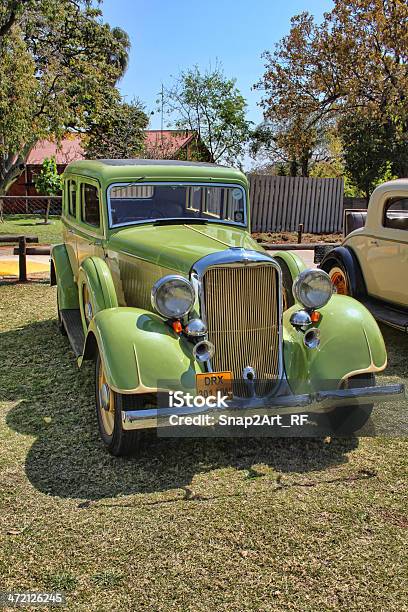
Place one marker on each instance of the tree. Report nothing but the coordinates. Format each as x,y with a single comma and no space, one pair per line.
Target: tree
299,151
285,145
210,105
355,61
366,146
58,68
118,131
12,11
48,182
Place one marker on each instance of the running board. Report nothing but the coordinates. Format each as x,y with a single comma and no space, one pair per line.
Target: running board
387,313
72,322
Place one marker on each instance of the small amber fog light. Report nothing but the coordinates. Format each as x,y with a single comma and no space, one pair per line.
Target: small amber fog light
315,316
177,326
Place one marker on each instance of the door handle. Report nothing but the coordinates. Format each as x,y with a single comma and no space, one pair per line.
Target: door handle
373,243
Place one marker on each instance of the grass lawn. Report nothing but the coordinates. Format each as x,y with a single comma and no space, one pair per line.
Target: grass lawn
33,225
204,525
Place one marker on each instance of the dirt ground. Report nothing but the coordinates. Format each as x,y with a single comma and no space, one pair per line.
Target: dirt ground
279,237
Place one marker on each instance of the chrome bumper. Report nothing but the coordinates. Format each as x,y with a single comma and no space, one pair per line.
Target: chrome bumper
319,402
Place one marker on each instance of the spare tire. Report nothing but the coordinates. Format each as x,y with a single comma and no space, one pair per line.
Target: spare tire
354,220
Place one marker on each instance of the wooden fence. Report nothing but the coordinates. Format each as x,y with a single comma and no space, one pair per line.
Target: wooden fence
281,203
278,203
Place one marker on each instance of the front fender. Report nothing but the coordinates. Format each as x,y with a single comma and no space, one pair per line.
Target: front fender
140,352
95,274
63,277
351,344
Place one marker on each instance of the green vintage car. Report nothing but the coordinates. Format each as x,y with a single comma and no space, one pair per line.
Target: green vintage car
160,283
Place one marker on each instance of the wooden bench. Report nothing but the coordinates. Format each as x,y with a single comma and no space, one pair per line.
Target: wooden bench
22,251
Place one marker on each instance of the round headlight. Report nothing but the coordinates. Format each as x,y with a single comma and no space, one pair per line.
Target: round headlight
173,296
313,288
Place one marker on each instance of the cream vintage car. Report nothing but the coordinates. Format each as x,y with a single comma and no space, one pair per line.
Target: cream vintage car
372,262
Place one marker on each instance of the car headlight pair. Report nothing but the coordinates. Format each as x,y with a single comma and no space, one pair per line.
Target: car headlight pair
173,296
313,288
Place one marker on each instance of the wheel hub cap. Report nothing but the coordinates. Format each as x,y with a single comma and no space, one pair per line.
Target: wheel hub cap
88,310
105,396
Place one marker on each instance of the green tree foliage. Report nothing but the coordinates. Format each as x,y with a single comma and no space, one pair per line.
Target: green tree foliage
211,105
48,182
367,147
58,68
354,63
117,131
13,11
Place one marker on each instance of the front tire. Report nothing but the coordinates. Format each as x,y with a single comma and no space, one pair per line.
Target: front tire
109,405
346,420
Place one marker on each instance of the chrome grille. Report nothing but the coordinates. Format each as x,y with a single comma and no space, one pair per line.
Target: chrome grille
242,311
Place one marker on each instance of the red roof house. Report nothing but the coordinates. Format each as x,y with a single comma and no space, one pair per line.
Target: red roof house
166,144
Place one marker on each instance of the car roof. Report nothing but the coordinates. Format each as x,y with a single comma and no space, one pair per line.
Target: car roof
394,185
110,170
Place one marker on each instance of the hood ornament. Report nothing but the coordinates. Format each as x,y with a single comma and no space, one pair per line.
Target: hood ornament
249,376
248,373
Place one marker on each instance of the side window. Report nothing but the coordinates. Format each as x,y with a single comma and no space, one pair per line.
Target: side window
90,205
396,213
71,197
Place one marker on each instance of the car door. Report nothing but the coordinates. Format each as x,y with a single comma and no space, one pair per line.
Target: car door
90,233
386,257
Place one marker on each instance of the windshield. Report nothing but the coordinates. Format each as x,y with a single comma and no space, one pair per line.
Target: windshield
140,202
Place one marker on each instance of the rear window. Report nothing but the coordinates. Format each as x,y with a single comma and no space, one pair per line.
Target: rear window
396,213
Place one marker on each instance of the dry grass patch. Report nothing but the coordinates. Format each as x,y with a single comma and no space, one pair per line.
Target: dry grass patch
33,225
192,524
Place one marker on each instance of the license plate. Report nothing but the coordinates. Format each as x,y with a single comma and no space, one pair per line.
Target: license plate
212,382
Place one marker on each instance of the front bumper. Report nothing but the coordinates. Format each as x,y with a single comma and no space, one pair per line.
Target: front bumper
319,402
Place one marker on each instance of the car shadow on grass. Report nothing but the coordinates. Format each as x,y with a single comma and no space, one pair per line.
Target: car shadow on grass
53,401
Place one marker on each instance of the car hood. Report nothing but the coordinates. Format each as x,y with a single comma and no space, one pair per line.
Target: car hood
178,247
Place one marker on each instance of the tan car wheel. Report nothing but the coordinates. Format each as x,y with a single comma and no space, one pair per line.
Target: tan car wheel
106,401
339,279
87,305
109,414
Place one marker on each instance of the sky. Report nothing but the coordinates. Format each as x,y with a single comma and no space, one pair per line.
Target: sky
169,36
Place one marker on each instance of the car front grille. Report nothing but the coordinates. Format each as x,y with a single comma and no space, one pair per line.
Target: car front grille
242,311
